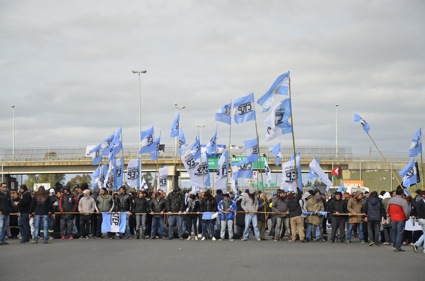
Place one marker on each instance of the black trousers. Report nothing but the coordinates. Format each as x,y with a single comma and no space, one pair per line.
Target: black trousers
338,223
85,225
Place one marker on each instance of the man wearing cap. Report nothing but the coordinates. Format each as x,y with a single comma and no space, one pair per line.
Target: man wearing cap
175,208
226,209
336,208
68,202
86,206
354,207
294,210
280,209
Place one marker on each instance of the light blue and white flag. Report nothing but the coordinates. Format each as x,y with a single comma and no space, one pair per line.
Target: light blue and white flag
147,138
109,178
197,168
289,176
95,152
223,114
222,172
276,152
363,122
268,172
195,148
416,146
277,123
251,150
176,126
243,170
155,153
114,222
410,174
212,144
163,179
312,175
105,144
95,177
341,188
119,171
280,87
144,185
182,141
315,167
133,173
244,108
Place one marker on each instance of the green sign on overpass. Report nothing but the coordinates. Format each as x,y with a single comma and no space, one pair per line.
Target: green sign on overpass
213,161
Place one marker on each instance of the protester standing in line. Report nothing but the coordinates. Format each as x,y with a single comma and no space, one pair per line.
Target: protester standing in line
226,209
175,207
5,207
125,204
374,210
192,208
337,207
86,206
280,209
157,207
104,203
399,213
141,208
294,213
24,212
68,203
420,215
250,205
355,208
41,207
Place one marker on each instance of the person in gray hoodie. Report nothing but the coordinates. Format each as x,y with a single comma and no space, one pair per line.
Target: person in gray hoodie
250,205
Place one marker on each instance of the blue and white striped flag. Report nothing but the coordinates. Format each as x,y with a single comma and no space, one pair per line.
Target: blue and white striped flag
280,87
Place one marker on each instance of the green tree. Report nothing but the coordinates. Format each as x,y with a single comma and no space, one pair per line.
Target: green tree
44,178
79,179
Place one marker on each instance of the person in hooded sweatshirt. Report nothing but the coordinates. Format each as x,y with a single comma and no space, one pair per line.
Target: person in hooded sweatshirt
386,224
398,209
374,210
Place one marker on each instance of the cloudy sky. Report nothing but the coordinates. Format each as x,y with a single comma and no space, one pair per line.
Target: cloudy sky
66,67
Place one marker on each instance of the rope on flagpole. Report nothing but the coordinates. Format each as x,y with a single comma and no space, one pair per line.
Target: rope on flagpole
385,160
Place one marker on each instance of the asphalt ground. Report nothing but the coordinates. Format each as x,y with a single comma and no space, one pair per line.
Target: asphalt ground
104,259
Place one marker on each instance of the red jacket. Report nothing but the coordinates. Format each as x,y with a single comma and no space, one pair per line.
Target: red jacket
396,213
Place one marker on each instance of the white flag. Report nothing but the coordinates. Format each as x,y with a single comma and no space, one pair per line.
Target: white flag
268,172
289,177
144,185
315,167
133,173
163,179
197,168
222,171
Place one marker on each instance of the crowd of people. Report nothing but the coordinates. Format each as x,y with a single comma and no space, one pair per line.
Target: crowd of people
68,214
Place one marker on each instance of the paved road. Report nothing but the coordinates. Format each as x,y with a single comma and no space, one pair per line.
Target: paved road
206,260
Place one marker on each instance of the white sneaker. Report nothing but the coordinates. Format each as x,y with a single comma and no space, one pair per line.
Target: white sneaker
199,235
231,240
259,239
196,238
203,239
188,238
220,239
244,239
213,239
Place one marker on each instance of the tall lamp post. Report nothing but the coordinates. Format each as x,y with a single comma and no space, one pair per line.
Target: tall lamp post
13,132
336,131
138,72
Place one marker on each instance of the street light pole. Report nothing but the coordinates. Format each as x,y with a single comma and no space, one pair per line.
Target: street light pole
336,131
13,132
138,72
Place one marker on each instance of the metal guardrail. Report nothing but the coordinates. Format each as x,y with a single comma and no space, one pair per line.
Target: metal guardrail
78,154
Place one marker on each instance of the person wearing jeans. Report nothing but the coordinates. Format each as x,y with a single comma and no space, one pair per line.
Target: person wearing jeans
5,207
399,213
41,207
354,208
250,206
226,209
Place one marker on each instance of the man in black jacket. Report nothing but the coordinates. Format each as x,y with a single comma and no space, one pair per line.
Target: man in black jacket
375,211
5,207
175,208
295,212
24,213
338,206
125,205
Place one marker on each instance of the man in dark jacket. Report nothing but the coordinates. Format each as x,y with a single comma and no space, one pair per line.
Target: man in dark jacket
157,206
280,208
419,213
294,213
375,211
24,213
125,204
68,202
338,206
175,207
5,207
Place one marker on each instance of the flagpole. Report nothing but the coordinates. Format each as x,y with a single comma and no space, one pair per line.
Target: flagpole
293,138
385,160
422,170
228,154
259,154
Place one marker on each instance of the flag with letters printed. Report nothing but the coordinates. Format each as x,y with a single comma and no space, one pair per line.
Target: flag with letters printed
224,114
244,109
133,173
277,123
410,174
366,126
114,222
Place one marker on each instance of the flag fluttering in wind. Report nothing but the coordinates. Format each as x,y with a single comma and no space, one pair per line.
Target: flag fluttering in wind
312,175
154,153
242,170
315,167
182,141
244,108
176,126
224,114
276,152
410,174
133,173
267,171
251,149
212,144
148,144
196,167
416,146
363,122
118,172
336,172
222,171
280,87
277,123
341,188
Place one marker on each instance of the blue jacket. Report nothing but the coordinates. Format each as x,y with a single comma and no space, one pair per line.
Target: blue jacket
223,206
